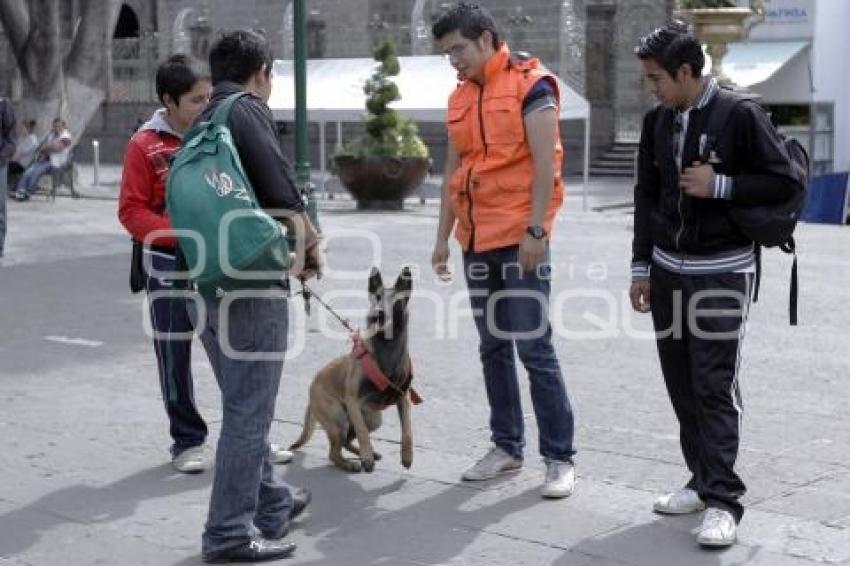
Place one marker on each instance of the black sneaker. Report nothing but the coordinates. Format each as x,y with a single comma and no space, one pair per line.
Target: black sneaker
255,550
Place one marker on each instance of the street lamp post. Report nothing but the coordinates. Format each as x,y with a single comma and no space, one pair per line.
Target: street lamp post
302,163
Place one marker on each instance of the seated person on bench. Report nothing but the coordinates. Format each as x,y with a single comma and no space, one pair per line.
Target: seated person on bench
24,153
53,153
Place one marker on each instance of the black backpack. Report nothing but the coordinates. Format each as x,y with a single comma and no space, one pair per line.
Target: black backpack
768,225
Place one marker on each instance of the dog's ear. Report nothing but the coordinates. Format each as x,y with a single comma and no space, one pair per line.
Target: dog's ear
404,283
404,286
376,284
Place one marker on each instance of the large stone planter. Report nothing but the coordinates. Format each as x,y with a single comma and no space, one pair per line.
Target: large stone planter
381,182
717,27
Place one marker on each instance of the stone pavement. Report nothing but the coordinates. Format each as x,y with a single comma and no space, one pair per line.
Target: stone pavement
84,477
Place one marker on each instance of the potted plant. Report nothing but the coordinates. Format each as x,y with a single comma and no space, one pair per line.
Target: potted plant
718,23
386,165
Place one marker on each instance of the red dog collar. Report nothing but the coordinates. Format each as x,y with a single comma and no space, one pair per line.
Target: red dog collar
373,372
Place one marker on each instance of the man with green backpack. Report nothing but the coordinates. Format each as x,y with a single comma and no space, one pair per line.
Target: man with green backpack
230,195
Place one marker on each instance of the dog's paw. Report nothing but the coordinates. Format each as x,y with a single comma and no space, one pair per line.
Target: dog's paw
351,466
377,456
406,456
368,465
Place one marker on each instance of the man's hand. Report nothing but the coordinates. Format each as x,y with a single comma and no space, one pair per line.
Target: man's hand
313,263
532,252
440,260
695,181
639,294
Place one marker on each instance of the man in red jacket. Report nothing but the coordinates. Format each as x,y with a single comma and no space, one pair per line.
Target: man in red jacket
184,91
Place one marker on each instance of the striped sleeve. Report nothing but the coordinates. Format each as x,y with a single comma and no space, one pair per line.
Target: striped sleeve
722,186
640,271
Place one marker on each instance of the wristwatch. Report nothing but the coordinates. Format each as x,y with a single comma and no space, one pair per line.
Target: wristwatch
537,232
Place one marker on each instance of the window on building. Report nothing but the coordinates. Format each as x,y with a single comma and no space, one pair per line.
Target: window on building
812,126
128,23
315,38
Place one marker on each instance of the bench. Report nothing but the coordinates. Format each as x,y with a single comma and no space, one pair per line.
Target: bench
63,176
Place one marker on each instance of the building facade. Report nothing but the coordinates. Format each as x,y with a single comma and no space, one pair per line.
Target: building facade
589,43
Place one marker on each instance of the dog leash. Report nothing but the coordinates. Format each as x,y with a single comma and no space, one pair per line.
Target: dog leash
367,362
308,294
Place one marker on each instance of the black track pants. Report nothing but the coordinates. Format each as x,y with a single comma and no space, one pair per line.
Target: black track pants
699,322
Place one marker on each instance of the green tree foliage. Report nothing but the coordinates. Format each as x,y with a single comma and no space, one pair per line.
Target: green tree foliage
387,132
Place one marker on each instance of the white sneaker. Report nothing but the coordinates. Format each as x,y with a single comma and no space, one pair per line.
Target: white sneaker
191,461
718,528
279,454
679,502
560,480
495,462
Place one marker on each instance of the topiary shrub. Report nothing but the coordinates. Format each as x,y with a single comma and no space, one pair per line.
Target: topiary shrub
387,132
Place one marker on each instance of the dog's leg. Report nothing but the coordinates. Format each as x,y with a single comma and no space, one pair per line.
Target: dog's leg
335,440
333,418
355,450
406,431
355,415
345,464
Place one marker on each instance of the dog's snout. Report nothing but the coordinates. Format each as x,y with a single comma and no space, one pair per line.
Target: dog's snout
377,317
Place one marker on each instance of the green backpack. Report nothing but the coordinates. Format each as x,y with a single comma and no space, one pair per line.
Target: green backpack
227,240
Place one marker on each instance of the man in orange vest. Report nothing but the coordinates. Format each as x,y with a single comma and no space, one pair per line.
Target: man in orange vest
501,191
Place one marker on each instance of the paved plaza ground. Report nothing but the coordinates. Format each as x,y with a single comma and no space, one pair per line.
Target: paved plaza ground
84,473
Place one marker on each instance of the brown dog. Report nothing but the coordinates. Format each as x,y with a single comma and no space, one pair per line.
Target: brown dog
344,400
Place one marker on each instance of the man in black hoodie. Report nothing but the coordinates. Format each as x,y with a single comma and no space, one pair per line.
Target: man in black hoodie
692,268
245,336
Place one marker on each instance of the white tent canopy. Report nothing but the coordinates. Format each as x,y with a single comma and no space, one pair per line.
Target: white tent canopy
335,90
777,70
335,93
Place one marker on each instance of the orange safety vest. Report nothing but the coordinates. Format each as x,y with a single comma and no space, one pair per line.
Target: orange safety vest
490,191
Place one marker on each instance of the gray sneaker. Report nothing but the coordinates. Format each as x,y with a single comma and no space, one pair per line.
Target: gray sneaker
679,502
560,480
718,528
192,460
279,454
494,463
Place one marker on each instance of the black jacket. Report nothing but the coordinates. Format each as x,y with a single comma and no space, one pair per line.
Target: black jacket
252,127
751,152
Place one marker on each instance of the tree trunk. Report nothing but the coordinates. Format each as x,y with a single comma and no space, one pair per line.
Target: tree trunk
53,85
79,104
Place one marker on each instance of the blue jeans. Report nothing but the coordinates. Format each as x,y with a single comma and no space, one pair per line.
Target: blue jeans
170,320
3,190
31,176
246,494
510,309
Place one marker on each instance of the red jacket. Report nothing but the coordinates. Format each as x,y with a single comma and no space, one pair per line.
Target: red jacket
141,203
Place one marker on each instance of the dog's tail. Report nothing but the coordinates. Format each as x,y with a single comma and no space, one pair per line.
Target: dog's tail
307,431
